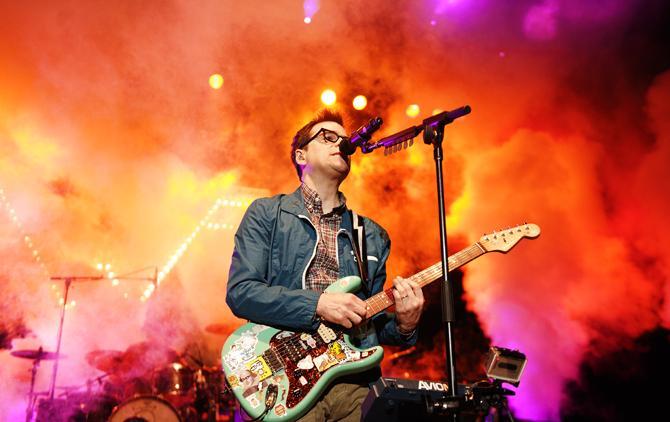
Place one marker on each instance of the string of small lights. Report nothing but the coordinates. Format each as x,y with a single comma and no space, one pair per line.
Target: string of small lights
34,251
106,268
205,223
27,240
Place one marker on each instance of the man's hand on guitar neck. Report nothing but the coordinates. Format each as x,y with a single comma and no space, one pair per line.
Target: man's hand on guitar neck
408,304
344,309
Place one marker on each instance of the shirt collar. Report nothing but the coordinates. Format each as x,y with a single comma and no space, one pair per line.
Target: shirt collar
313,201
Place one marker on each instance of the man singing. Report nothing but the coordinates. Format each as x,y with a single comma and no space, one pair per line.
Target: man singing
290,248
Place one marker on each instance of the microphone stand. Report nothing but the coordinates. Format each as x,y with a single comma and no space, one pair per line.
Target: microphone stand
433,134
68,282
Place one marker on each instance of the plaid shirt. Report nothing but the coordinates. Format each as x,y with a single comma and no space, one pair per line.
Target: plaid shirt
324,269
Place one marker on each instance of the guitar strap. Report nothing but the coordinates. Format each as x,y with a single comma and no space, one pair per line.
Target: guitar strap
360,250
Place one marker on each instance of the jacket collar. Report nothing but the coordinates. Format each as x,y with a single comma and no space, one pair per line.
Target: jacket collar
293,203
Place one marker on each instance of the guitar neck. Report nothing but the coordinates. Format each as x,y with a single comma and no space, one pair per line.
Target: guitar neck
384,299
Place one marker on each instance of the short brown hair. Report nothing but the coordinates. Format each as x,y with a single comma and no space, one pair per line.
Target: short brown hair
301,137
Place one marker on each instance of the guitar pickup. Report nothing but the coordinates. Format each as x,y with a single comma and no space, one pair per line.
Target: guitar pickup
326,333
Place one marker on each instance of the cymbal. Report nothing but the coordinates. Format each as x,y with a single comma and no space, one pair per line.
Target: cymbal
105,360
220,329
38,354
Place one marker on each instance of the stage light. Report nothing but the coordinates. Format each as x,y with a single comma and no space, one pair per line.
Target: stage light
216,81
360,102
328,97
310,7
412,110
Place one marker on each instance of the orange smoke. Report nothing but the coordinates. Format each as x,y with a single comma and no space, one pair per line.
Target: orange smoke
113,147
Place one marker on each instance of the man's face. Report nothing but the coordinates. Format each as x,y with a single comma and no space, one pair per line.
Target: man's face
323,157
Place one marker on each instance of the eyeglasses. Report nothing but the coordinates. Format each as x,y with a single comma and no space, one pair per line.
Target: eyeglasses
328,136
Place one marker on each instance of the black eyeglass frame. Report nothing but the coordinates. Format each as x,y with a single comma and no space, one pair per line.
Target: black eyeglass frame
324,130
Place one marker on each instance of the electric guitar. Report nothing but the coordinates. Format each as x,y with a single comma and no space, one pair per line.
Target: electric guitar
279,375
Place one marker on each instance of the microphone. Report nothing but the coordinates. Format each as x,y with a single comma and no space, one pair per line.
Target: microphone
361,136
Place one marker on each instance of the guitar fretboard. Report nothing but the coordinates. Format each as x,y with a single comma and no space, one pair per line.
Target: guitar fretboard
383,300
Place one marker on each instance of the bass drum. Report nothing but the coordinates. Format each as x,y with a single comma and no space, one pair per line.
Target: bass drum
145,409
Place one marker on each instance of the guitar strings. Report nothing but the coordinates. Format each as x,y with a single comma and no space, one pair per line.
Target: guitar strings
385,298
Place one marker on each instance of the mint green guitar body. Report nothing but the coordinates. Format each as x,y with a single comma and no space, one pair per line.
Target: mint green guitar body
301,365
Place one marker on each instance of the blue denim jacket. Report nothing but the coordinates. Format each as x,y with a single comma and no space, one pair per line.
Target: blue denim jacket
274,245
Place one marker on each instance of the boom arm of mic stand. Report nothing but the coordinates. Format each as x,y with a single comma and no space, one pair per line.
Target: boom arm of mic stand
447,117
389,141
443,118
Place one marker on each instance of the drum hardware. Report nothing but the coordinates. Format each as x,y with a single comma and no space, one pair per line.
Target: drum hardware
130,378
200,395
145,409
76,403
68,280
36,356
175,383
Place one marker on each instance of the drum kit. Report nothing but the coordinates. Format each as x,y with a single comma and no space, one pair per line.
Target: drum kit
138,384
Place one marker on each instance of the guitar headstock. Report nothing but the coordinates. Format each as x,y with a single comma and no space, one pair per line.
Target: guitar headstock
505,240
